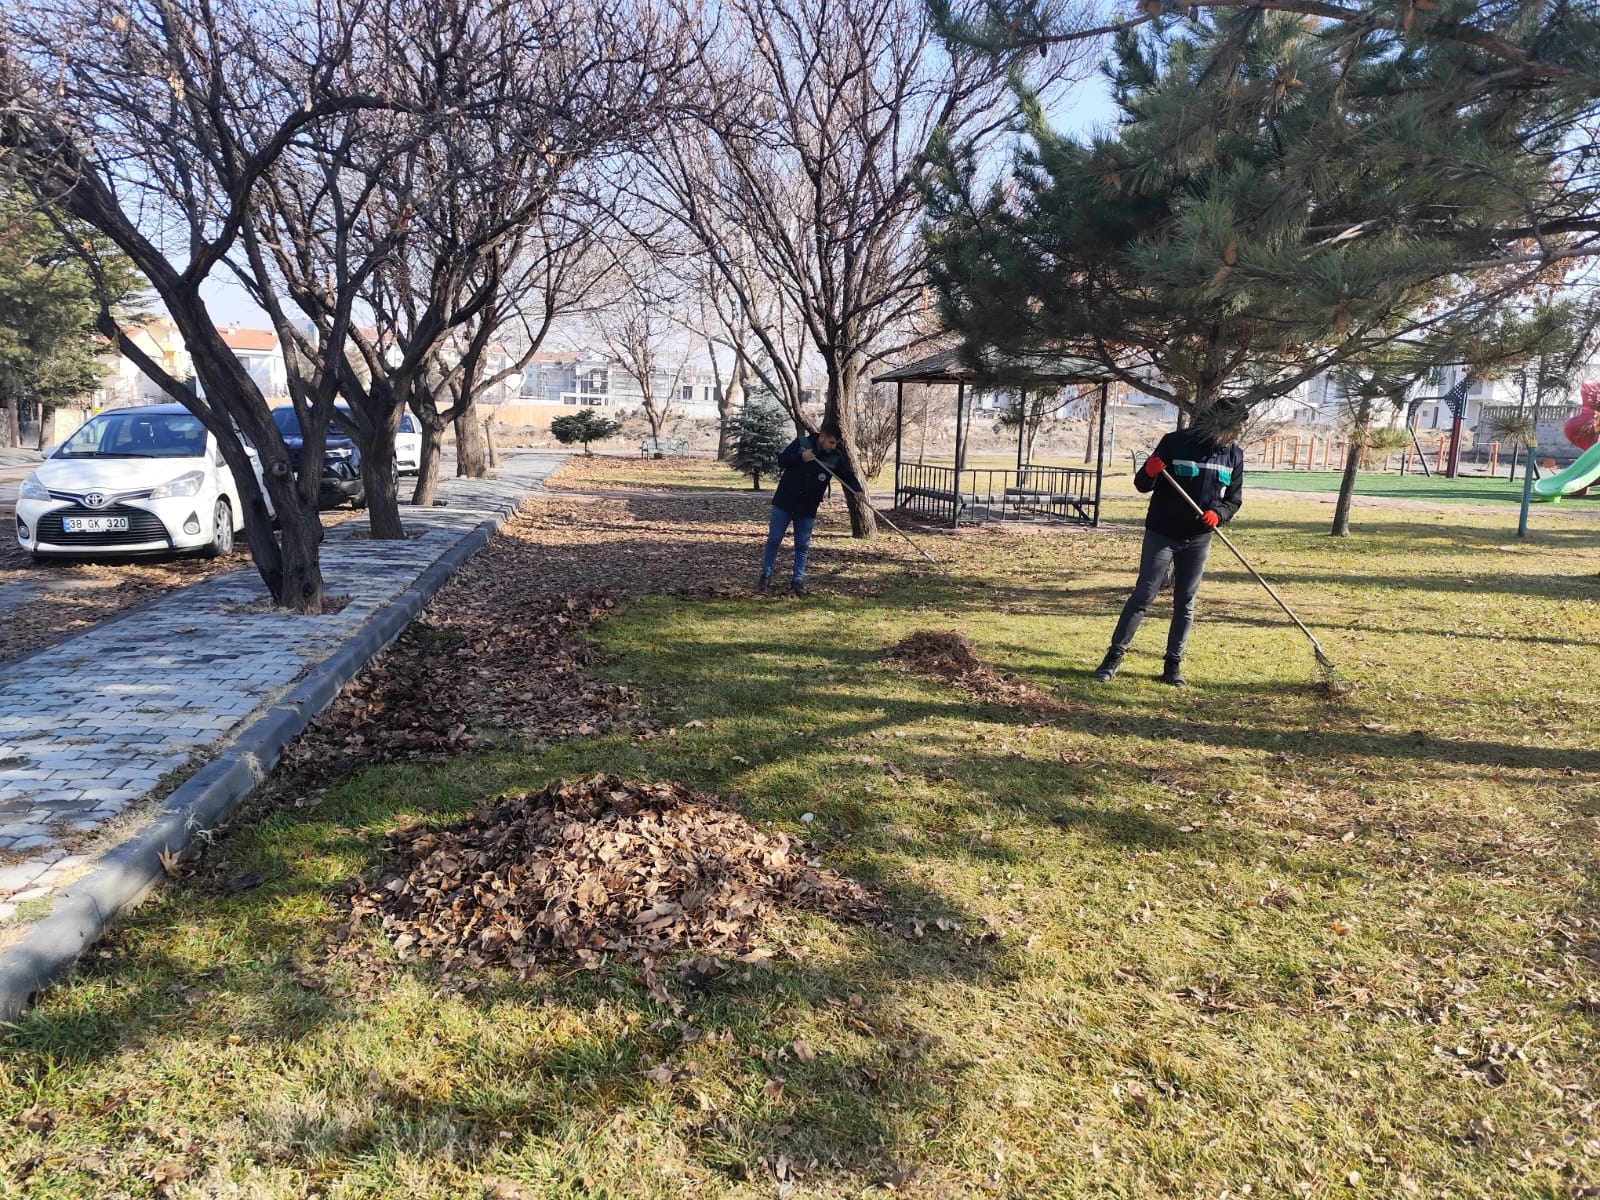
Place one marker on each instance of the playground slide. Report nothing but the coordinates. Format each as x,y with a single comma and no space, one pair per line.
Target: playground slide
1574,479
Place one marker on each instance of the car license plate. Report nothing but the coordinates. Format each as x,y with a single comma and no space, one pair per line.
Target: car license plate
94,524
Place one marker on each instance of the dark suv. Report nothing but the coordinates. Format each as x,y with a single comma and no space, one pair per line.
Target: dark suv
341,460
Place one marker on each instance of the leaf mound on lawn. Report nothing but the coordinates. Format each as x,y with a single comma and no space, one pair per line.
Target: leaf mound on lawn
949,657
601,868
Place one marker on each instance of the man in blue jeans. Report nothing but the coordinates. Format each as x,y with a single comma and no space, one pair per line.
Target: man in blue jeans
801,487
1209,465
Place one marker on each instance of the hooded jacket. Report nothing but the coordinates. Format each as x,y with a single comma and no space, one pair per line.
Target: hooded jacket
802,485
1212,474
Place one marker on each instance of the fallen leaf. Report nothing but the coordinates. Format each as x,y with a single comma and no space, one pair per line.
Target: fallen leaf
1140,1097
37,1119
803,1051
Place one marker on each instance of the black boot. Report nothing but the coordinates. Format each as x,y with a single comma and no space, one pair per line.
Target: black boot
1107,670
798,590
1172,673
761,584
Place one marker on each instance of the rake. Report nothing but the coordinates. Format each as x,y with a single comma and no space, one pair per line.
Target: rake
862,496
1331,680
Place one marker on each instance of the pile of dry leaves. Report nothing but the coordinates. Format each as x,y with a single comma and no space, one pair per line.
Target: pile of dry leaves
949,657
605,868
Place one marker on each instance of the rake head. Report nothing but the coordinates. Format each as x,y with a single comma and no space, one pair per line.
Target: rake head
1332,684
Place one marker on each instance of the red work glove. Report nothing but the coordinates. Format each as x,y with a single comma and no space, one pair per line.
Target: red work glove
1210,519
1153,466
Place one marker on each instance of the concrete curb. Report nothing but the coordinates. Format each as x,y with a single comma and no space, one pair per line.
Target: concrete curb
123,876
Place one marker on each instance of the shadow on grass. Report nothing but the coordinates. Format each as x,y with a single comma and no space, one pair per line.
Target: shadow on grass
243,971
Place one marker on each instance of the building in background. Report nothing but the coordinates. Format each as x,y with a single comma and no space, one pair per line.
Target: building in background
591,379
261,354
125,384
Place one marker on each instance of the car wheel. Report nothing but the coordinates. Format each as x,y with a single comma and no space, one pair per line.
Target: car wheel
394,481
221,530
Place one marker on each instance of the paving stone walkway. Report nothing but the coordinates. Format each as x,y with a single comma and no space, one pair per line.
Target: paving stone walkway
93,724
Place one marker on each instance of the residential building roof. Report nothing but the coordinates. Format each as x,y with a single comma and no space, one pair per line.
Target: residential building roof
248,339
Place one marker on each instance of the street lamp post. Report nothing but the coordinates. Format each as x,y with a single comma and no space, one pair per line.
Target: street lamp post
1522,403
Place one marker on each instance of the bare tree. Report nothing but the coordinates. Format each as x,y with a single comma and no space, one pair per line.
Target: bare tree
645,326
154,122
817,116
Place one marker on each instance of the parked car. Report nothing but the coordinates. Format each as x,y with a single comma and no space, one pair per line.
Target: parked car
132,481
341,460
408,446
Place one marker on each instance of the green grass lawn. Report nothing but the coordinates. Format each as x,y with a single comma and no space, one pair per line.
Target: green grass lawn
1438,490
1234,941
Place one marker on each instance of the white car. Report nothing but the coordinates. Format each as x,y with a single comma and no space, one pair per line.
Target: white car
132,481
408,446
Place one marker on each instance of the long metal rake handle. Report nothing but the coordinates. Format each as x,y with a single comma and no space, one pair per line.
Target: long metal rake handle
862,495
1316,646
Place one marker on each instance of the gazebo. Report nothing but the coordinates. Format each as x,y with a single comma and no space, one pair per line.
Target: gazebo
952,494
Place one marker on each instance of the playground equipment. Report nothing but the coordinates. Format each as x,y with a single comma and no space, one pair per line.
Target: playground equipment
1583,431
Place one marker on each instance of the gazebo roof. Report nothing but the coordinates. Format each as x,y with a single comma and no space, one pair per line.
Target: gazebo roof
948,367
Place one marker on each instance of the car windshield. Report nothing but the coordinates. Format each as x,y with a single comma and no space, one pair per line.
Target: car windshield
289,425
135,434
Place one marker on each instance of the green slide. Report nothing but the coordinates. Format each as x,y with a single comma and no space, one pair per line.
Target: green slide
1574,479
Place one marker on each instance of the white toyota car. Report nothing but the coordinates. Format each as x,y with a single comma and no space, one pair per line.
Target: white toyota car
408,446
132,481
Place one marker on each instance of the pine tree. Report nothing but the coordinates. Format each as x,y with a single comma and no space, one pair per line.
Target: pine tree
50,299
1273,204
760,432
584,426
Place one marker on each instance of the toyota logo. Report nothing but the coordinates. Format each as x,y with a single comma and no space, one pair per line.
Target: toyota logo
94,499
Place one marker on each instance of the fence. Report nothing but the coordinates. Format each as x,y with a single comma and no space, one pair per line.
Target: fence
978,495
1291,452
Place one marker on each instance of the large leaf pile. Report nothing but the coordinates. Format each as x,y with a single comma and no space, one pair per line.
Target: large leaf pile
604,868
949,657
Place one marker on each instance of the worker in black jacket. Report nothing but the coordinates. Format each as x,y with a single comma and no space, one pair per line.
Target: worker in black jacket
810,463
1209,466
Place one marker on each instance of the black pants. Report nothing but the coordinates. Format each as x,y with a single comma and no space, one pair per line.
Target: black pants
1187,559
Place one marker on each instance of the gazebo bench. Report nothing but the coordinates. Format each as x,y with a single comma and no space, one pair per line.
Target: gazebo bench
935,494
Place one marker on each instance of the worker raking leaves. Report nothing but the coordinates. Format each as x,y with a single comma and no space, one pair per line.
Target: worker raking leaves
1206,463
810,464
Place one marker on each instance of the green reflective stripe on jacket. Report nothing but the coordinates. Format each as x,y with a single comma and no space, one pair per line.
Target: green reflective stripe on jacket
1187,468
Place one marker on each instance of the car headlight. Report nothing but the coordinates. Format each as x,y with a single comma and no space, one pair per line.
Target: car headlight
338,452
32,489
188,484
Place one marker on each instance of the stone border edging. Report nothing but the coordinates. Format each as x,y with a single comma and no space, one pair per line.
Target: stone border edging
122,877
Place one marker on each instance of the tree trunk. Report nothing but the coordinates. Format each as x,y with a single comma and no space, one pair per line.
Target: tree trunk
732,398
287,558
841,408
428,465
1352,463
380,479
488,442
1089,429
470,455
13,426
